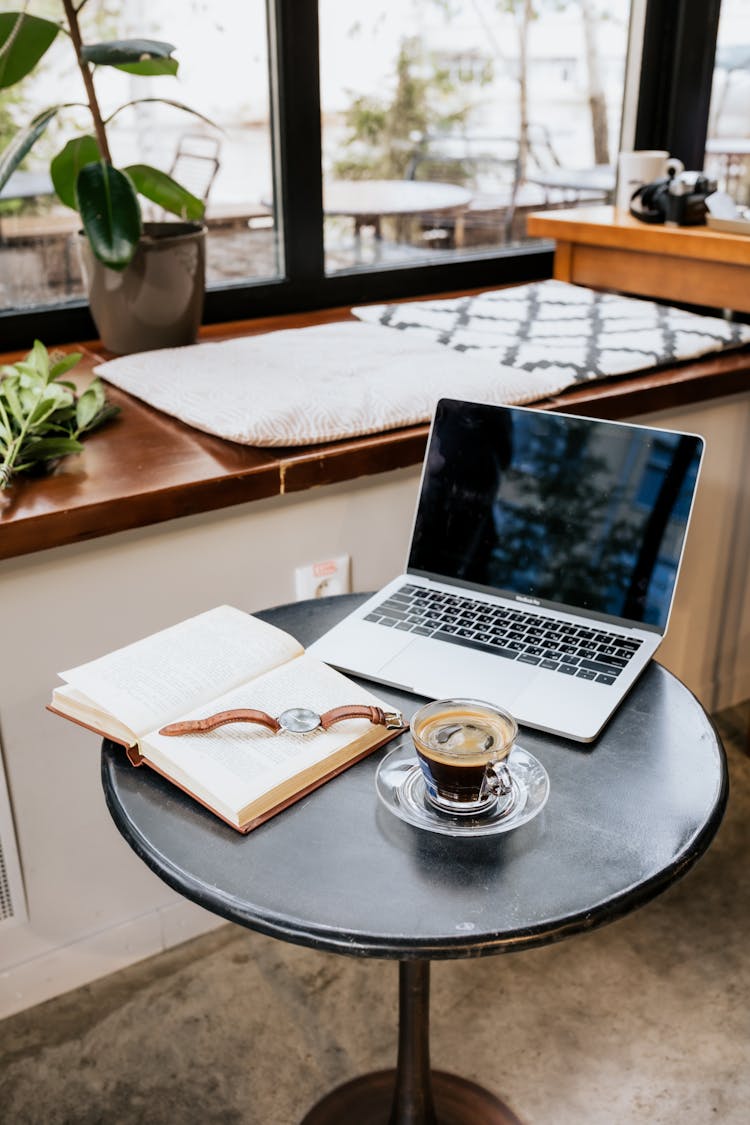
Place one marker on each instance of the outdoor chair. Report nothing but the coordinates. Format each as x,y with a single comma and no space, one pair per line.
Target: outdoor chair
505,182
196,163
487,165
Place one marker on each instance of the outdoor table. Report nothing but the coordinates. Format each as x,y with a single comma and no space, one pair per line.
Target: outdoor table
626,817
27,185
368,201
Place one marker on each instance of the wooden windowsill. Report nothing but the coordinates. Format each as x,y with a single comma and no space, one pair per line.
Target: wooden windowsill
146,467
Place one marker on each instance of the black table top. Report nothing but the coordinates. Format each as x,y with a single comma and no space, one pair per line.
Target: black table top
626,817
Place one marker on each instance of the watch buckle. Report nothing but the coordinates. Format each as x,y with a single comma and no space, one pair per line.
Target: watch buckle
393,720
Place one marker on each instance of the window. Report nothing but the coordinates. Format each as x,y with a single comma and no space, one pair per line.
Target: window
444,124
223,74
728,143
502,106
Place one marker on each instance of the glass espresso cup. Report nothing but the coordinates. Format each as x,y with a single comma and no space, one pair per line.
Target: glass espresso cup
462,746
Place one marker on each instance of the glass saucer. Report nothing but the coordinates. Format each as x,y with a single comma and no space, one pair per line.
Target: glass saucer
400,786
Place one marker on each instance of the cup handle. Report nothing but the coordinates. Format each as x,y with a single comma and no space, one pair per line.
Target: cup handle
674,166
499,780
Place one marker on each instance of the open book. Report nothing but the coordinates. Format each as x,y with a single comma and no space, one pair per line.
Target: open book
221,660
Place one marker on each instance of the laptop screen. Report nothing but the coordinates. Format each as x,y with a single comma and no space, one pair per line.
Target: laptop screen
576,512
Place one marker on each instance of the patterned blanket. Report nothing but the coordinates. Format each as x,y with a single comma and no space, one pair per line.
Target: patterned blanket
307,385
563,329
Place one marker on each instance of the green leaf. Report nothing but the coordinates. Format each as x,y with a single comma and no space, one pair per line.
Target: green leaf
10,425
22,44
23,142
53,399
29,393
64,365
110,213
39,357
62,421
108,411
166,192
28,373
89,404
45,449
65,167
6,426
10,391
151,66
86,411
126,51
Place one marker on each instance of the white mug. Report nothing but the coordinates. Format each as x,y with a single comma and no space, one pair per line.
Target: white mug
643,167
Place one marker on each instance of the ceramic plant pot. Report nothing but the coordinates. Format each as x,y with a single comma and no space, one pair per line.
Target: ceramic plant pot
157,300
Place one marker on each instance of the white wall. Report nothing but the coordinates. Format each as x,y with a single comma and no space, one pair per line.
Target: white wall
93,907
708,641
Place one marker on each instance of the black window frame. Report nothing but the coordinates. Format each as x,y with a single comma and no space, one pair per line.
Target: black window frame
676,75
673,102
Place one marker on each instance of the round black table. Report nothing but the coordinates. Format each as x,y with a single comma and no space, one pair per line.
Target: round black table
337,871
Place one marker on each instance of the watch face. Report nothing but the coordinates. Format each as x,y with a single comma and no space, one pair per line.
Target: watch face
299,720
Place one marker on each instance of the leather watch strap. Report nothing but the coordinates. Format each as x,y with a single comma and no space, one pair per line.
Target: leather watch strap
392,720
376,715
220,719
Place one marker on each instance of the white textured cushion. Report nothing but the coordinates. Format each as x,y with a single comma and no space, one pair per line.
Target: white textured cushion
307,385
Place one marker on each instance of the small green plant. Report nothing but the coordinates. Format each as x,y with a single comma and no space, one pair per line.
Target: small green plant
42,417
83,174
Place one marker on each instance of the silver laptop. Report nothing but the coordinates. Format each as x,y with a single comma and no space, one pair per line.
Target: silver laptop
542,565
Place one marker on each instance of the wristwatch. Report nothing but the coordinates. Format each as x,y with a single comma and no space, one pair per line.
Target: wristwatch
298,720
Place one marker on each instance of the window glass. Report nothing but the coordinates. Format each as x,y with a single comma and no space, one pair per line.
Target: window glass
221,47
728,144
445,122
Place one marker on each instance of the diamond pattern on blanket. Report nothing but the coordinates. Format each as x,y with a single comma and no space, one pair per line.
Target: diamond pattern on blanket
561,327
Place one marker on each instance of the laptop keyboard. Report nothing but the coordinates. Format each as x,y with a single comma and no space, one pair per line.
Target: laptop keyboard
571,650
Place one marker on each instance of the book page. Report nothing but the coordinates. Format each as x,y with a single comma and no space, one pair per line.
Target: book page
154,681
77,706
238,763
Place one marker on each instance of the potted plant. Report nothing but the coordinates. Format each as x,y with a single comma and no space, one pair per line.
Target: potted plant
145,280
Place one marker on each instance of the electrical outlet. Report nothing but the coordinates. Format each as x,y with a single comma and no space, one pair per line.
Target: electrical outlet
319,579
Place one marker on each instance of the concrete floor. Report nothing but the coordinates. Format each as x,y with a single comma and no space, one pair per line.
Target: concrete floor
644,1021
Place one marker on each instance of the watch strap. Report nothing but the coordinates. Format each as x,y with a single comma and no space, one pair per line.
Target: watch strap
376,715
391,720
220,719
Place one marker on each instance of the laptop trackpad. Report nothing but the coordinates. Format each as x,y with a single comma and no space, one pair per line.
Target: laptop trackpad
443,671
359,647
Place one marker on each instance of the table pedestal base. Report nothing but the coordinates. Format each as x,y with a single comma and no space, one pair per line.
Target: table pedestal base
412,1094
368,1101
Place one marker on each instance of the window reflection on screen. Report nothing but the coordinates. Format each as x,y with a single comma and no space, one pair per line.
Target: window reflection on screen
566,510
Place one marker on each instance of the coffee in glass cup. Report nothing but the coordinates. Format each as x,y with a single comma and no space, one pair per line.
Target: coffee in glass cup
462,746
